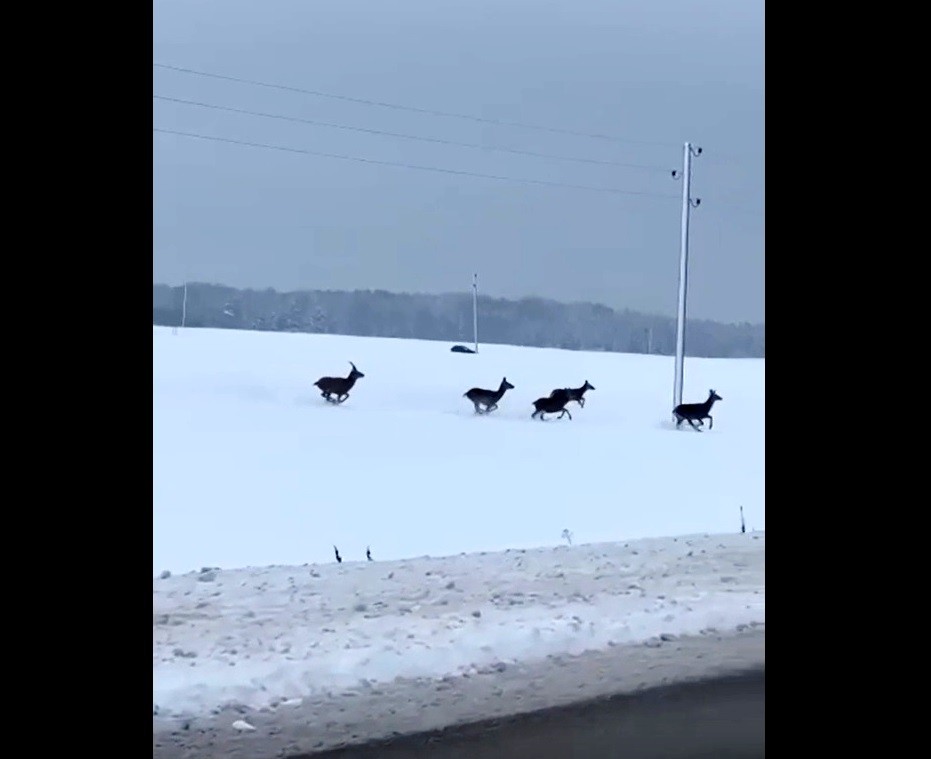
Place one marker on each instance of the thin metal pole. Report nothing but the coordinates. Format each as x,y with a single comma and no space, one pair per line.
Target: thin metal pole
184,305
475,309
683,274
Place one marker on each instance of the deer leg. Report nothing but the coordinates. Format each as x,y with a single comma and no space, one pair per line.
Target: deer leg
582,402
710,422
566,412
492,407
679,421
341,398
697,429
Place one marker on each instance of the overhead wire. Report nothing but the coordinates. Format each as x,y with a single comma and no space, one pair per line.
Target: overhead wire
414,109
313,122
458,172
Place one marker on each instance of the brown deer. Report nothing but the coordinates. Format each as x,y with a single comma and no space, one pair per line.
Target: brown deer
576,393
338,386
556,402
692,412
487,398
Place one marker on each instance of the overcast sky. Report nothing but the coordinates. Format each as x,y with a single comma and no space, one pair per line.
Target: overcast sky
649,75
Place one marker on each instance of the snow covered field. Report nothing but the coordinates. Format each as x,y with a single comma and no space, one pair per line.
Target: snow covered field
474,605
253,468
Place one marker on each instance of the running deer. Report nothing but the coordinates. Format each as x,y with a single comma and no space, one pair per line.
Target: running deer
556,402
576,393
487,398
692,412
338,386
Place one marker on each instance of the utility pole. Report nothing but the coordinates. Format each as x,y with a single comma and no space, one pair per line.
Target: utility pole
687,205
475,309
184,305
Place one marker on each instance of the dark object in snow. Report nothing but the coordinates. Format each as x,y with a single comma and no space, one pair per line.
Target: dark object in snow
368,553
461,349
695,412
743,527
487,398
556,402
576,394
338,557
339,386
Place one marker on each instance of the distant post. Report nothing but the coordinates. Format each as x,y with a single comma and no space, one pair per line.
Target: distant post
184,306
475,309
687,204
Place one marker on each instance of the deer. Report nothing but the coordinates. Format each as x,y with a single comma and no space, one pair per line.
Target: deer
556,401
576,394
338,386
692,412
487,398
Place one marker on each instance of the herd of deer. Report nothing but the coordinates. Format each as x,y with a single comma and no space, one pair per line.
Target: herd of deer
486,401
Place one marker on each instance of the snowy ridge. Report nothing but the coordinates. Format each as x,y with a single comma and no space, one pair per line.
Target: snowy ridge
260,638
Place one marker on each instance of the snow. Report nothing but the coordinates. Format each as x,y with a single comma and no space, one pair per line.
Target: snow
258,637
256,478
253,468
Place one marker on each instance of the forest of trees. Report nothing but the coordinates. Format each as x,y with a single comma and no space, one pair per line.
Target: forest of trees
529,321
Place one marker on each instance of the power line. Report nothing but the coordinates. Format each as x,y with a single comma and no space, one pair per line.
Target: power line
543,182
413,109
409,136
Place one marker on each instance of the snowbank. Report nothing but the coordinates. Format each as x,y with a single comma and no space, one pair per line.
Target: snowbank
257,638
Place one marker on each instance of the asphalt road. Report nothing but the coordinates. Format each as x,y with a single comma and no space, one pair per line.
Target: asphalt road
719,718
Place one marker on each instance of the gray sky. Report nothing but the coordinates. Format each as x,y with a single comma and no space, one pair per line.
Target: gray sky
651,75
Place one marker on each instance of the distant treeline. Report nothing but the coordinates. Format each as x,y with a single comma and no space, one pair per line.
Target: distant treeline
529,321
